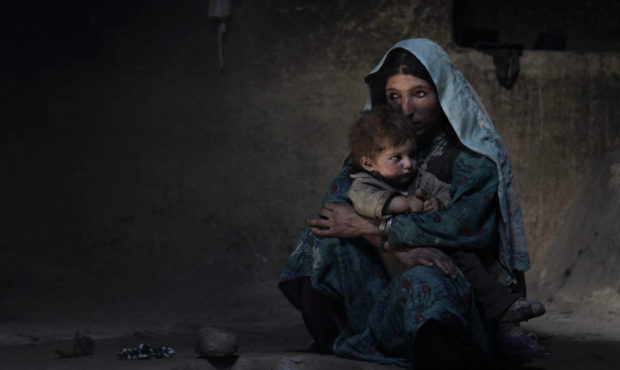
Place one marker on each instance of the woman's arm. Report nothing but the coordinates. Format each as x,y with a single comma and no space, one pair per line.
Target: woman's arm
341,221
470,222
337,217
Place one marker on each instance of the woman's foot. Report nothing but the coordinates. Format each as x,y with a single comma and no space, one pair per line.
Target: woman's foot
522,310
513,341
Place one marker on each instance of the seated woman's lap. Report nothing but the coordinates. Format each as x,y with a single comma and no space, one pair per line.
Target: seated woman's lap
419,296
412,299
378,312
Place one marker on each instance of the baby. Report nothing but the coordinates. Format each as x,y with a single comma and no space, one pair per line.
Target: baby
390,180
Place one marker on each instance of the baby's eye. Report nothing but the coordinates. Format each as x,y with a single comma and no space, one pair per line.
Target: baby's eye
395,158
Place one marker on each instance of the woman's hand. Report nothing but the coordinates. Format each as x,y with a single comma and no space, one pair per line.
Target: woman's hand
428,257
341,221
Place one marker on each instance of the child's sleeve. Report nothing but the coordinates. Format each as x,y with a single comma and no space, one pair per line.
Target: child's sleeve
436,188
369,195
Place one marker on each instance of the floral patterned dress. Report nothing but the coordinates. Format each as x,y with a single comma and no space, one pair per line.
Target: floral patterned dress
384,315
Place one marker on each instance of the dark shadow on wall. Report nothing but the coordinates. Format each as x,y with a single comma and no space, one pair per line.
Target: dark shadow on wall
504,29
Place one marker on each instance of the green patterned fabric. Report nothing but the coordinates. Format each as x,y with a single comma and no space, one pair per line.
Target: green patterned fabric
383,316
470,223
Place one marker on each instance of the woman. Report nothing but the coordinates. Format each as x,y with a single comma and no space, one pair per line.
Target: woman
427,314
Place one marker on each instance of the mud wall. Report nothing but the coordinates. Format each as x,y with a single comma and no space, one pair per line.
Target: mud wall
132,162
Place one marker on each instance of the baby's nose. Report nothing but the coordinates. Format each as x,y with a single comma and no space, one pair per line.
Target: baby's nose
407,163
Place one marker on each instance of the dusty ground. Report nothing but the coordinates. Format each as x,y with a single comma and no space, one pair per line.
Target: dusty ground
580,335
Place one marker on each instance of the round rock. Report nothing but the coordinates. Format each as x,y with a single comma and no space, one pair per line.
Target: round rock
213,342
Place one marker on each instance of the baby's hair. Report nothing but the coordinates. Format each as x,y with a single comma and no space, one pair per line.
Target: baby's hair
375,130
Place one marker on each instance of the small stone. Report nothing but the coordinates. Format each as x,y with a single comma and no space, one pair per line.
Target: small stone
213,342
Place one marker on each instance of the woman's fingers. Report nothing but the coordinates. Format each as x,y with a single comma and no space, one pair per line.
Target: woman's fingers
321,226
446,269
319,222
414,257
344,222
325,212
445,264
425,262
428,257
325,221
334,206
320,232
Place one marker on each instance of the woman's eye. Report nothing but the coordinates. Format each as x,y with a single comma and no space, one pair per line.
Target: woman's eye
392,97
420,94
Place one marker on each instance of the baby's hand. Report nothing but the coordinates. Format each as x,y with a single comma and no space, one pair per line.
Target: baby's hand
416,205
431,205
422,194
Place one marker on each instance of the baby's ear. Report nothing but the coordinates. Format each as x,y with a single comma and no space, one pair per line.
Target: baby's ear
366,163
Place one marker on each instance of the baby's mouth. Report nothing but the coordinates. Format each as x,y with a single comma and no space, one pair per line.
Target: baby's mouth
407,176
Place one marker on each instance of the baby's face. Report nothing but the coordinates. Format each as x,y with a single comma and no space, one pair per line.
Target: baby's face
397,164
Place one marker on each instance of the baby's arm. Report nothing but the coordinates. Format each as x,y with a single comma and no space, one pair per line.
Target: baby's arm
402,204
417,201
374,198
370,196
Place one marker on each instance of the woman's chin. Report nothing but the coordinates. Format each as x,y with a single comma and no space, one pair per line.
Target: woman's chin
420,129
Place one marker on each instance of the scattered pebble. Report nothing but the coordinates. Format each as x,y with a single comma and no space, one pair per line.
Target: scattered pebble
213,342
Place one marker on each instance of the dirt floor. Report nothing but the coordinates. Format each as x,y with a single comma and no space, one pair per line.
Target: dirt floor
579,335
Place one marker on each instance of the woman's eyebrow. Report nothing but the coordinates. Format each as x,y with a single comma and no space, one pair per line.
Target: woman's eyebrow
412,88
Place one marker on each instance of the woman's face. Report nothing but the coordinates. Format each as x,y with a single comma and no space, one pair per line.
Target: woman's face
417,99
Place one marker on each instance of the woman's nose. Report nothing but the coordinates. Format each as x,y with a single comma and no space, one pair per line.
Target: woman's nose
406,107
